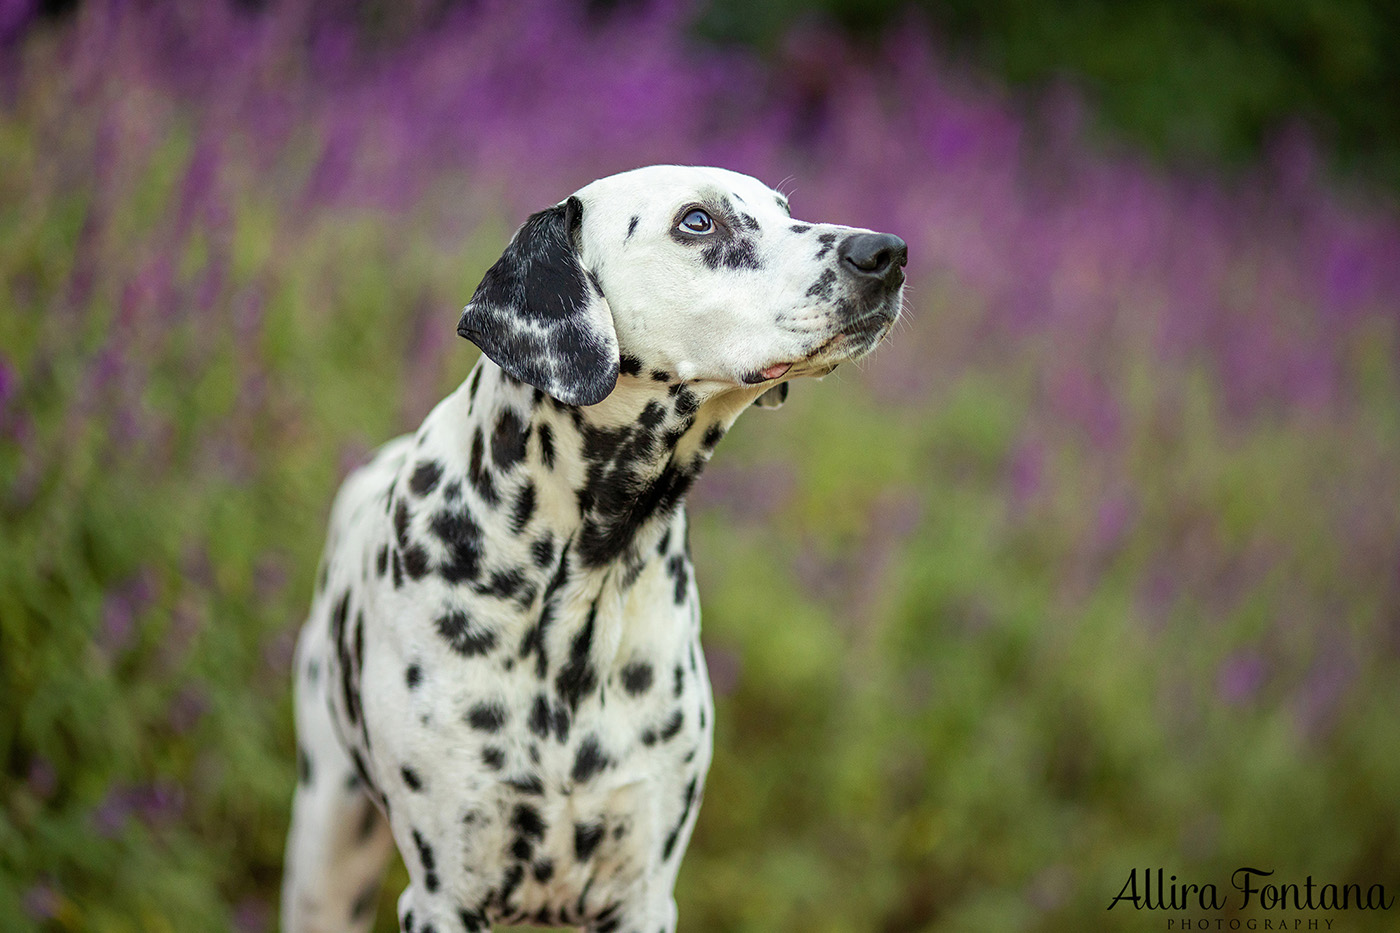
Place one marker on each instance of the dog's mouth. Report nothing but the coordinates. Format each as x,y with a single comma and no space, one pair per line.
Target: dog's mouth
848,344
776,371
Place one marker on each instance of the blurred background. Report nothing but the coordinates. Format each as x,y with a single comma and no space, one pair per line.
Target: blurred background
1094,567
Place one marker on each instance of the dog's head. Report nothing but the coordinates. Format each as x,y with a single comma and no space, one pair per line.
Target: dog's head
675,273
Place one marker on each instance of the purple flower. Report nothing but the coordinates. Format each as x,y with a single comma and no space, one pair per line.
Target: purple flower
43,779
14,18
1239,677
159,803
110,816
188,708
1026,471
725,667
8,381
754,493
42,902
118,624
1114,521
252,915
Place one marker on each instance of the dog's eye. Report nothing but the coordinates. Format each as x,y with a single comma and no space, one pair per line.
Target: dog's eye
697,221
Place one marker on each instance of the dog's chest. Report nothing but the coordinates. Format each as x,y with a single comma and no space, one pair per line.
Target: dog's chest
544,772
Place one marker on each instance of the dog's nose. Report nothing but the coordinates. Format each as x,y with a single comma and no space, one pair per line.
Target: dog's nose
874,255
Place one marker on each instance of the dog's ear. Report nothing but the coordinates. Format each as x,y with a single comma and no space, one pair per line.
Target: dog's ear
774,397
541,317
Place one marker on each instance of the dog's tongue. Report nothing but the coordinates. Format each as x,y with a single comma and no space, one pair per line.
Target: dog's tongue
773,372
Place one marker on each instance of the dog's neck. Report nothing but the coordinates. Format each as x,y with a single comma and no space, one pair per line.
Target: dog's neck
610,476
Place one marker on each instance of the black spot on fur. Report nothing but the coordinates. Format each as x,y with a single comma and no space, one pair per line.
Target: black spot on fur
350,695
578,677
510,881
425,477
823,286
689,800
677,568
660,375
544,870
590,760
358,651
529,784
464,636
686,403
673,726
539,717
480,474
413,676
503,584
618,498
631,227
650,419
800,228
381,561
637,678
415,561
546,437
527,821
534,640
826,240
411,778
630,366
677,682
452,492
586,839
524,507
508,440
735,252
303,767
398,571
425,856
493,757
713,435
461,535
488,717
543,551
401,518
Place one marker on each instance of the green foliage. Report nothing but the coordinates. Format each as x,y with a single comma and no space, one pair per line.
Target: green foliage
1194,80
1006,612
969,713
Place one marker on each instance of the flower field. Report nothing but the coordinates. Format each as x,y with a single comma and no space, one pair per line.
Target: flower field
1093,567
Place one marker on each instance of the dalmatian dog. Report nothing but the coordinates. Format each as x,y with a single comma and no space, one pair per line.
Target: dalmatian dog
501,673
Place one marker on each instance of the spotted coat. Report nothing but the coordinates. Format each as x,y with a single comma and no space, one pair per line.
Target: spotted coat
501,674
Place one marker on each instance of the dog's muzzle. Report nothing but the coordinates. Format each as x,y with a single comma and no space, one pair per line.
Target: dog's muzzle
874,265
874,258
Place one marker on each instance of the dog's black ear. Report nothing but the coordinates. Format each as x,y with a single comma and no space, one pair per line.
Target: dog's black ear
774,397
541,317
